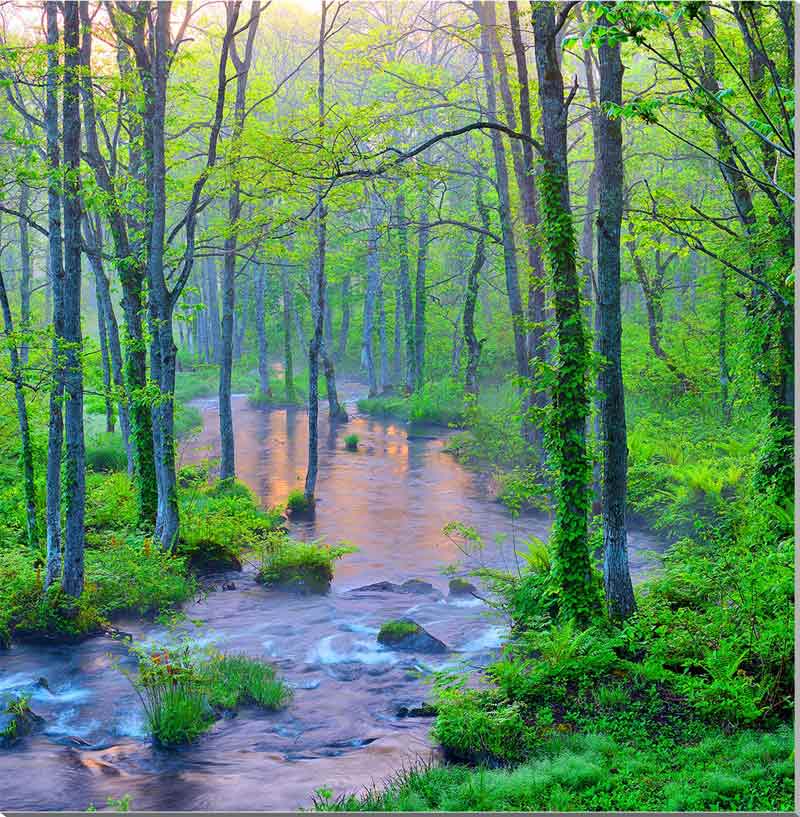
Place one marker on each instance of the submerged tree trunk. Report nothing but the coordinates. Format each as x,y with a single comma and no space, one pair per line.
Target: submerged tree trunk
26,450
617,577
75,465
56,267
570,397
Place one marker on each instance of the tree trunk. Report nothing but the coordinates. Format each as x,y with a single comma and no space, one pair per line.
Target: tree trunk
405,292
617,577
132,274
56,267
261,329
242,64
212,308
486,15
26,450
75,465
420,292
724,369
240,320
382,341
25,276
474,345
288,369
570,398
397,339
370,294
102,335
341,352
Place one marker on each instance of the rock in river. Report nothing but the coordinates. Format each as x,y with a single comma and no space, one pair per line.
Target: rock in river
405,634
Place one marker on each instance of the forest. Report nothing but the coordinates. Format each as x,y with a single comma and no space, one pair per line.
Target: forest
397,405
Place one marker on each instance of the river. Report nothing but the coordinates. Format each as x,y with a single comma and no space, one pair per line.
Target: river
342,729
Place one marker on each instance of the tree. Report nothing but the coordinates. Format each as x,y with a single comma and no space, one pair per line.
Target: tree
616,573
570,402
75,463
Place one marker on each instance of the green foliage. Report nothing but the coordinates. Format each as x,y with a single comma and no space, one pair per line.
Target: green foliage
303,566
110,502
297,501
106,452
351,442
742,772
188,420
435,403
479,727
184,689
219,522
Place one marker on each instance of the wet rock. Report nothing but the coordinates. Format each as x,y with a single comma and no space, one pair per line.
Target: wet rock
346,672
17,720
229,586
405,634
43,683
461,587
416,586
423,710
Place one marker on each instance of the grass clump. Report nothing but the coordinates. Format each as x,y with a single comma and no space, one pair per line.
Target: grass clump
305,567
351,442
235,680
183,690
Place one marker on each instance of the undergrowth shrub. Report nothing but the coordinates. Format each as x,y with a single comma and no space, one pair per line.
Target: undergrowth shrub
105,452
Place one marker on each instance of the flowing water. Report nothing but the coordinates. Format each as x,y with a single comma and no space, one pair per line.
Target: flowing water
342,729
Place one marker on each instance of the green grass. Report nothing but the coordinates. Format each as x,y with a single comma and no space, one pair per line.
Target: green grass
183,693
747,771
351,442
440,403
235,680
105,452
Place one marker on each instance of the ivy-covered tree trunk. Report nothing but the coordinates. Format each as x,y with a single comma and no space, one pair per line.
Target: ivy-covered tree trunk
570,402
75,465
55,436
616,572
26,450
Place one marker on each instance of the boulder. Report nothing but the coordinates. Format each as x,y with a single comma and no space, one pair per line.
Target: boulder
405,634
461,587
416,586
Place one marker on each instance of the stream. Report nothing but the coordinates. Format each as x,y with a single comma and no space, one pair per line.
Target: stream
342,729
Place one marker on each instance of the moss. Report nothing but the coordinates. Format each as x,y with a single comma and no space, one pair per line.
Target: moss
397,629
351,442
